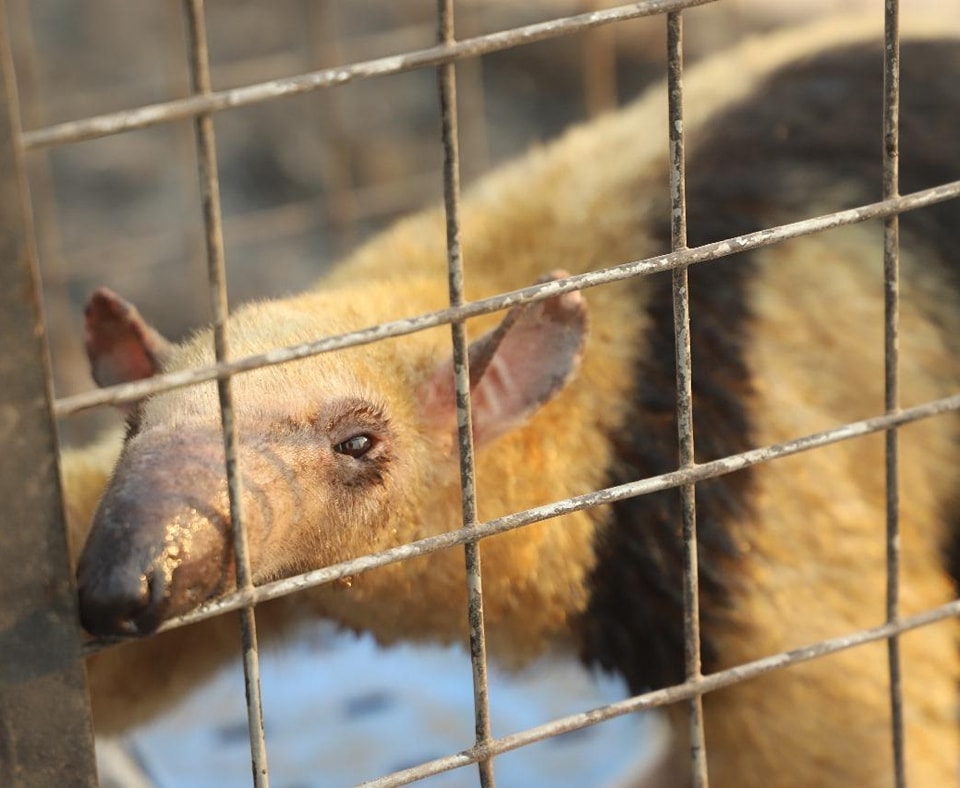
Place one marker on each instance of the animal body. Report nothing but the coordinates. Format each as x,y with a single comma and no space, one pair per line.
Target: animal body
352,452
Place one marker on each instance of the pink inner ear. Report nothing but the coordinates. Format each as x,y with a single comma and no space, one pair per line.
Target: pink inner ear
515,369
120,345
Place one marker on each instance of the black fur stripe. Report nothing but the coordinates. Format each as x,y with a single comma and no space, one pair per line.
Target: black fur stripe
774,158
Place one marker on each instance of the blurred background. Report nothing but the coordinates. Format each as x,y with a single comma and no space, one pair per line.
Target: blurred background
303,181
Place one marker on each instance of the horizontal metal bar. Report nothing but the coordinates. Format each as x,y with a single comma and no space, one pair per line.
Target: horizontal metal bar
179,109
430,544
668,695
133,391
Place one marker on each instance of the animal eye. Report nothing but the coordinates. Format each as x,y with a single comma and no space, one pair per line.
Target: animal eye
356,446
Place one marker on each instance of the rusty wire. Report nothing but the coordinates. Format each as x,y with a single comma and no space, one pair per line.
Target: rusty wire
443,56
891,363
216,101
690,689
666,481
216,265
685,428
675,694
447,85
129,392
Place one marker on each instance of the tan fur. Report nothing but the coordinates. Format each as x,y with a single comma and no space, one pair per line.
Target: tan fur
820,723
131,683
830,504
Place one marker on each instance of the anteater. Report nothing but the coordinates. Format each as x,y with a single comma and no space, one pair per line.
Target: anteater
351,452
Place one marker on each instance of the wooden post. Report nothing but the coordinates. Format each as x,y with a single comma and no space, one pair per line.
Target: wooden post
45,730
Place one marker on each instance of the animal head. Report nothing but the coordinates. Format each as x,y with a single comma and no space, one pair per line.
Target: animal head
339,454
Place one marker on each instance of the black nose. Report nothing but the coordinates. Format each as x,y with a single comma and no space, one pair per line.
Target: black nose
121,601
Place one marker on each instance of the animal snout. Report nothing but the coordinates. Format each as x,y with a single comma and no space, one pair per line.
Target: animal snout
157,545
124,601
173,564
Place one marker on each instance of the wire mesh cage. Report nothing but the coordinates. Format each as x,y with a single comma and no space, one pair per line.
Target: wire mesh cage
296,183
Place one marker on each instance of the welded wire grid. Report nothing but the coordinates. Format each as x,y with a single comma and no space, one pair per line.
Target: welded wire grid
444,56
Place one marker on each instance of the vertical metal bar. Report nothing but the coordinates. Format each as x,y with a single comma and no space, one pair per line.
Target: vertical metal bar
210,198
446,76
45,732
891,356
681,321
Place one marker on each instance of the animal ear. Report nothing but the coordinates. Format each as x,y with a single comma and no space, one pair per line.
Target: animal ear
120,345
516,368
